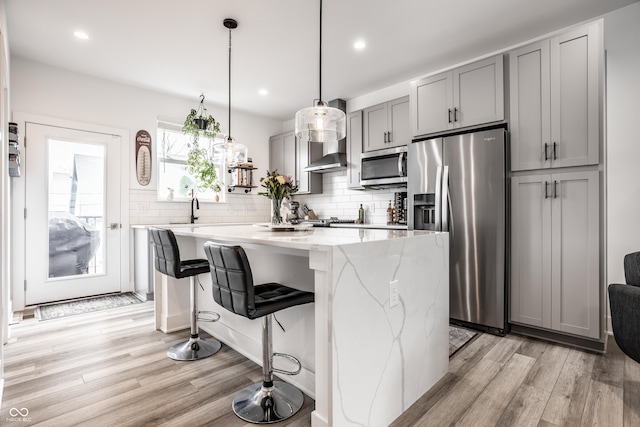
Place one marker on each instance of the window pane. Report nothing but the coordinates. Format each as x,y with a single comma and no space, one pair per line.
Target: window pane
76,208
173,148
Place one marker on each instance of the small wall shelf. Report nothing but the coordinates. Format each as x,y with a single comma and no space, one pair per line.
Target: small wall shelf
241,176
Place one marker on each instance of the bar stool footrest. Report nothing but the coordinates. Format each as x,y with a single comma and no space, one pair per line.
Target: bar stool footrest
205,316
291,359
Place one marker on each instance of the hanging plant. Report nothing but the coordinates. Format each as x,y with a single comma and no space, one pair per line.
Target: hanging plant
198,121
201,166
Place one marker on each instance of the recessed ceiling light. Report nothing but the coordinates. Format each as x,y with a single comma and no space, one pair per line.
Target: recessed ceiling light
263,92
81,35
359,44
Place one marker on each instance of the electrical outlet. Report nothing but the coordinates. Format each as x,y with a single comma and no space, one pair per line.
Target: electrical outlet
372,207
394,294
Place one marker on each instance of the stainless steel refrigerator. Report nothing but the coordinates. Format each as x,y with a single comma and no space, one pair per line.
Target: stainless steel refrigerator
459,184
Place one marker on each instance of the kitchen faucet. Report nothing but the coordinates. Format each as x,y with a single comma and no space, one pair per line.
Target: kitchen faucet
194,199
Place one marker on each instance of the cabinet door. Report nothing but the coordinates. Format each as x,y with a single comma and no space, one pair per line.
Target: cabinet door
531,250
399,126
354,148
575,101
289,155
302,177
276,153
575,253
432,104
478,92
530,106
375,127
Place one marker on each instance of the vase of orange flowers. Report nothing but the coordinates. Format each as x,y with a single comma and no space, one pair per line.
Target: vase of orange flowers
277,188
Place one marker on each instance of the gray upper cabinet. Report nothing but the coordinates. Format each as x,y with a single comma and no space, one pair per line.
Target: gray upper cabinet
555,101
555,274
466,96
282,154
354,149
289,155
387,125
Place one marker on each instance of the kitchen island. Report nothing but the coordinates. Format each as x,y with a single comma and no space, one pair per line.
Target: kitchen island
367,352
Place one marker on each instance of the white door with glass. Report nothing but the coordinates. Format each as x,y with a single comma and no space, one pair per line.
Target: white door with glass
73,226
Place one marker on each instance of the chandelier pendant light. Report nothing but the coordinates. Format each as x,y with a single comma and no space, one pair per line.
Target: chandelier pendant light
232,151
320,123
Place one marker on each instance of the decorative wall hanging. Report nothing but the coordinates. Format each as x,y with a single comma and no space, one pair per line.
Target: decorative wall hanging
143,157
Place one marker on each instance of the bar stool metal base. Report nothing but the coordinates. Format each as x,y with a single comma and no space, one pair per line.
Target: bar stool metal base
194,349
264,405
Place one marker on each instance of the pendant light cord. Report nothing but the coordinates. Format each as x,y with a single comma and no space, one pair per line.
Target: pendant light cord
229,138
320,62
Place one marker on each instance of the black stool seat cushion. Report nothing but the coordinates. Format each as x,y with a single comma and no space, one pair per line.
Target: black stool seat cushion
624,300
167,256
233,289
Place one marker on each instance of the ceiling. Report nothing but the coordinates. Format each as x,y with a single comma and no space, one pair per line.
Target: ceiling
181,47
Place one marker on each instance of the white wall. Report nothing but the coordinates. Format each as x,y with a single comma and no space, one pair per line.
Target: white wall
622,42
48,91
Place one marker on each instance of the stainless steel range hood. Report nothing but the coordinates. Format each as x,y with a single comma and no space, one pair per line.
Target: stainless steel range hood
335,158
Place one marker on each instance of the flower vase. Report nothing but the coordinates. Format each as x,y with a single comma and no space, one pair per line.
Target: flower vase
276,215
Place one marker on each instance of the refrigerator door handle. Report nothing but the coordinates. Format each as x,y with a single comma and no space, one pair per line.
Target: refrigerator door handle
438,219
445,199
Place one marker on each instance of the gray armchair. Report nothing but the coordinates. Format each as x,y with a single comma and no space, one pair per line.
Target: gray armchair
625,308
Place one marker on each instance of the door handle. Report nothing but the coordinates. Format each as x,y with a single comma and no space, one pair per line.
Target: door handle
438,207
445,199
115,226
402,164
546,195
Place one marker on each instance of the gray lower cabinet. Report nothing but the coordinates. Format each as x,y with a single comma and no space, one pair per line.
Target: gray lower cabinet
289,155
555,100
555,257
354,149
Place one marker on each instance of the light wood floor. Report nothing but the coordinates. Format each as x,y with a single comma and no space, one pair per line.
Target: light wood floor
110,369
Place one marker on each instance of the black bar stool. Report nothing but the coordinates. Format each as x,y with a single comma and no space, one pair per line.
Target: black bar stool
167,261
232,284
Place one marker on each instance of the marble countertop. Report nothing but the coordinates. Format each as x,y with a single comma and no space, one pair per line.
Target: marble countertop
316,238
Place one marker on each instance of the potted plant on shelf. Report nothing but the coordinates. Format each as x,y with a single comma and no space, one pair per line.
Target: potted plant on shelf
198,121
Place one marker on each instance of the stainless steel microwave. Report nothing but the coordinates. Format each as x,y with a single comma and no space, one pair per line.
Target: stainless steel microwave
384,168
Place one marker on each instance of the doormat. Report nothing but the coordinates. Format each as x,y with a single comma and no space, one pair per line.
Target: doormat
89,305
458,337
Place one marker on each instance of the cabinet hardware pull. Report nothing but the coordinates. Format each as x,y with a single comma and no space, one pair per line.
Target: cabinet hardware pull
389,136
455,114
545,190
555,157
385,138
449,110
546,146
555,189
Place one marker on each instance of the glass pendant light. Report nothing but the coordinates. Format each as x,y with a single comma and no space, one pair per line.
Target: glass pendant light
233,152
320,123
